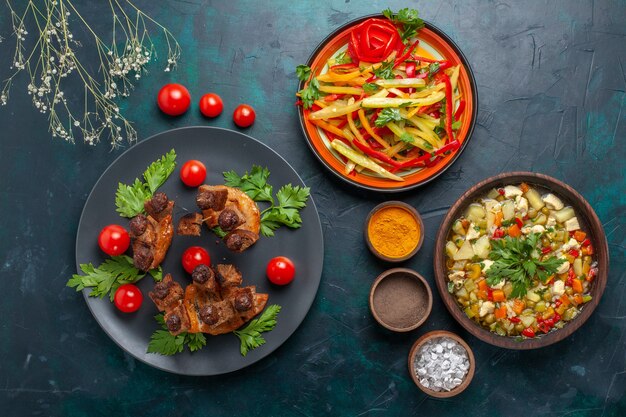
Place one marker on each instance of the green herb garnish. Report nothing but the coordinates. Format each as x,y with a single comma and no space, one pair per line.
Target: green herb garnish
129,199
388,115
310,93
385,71
406,138
433,69
303,72
290,199
370,88
165,343
407,19
342,58
106,278
518,261
250,336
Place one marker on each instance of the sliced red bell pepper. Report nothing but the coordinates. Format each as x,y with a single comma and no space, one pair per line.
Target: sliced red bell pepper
423,59
545,250
498,233
375,154
407,54
333,97
574,253
409,68
459,109
514,319
448,147
519,222
528,332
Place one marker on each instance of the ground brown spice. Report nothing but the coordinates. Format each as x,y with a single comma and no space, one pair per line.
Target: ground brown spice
400,300
393,231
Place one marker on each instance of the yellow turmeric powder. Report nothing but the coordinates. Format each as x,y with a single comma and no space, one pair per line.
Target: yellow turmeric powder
393,231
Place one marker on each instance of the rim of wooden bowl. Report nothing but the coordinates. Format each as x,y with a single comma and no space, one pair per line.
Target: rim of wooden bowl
386,274
589,221
433,335
414,213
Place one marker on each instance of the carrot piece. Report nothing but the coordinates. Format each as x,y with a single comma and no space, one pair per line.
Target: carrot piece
482,294
515,231
498,220
518,306
550,279
577,285
500,312
498,295
524,187
579,235
578,299
565,300
327,126
482,285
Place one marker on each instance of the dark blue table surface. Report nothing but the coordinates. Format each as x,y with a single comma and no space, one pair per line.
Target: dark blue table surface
551,80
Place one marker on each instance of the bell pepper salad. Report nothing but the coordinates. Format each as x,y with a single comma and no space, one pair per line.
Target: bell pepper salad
518,263
383,107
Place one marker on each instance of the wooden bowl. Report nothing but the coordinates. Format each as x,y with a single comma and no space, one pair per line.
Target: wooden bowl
400,299
416,216
589,222
433,335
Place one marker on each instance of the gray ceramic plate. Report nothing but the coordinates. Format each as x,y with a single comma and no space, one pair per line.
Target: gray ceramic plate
220,150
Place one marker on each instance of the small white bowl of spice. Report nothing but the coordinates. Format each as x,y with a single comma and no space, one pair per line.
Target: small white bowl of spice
441,364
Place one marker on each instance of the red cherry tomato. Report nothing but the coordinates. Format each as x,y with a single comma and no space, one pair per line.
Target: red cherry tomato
193,173
244,115
174,99
194,256
211,105
113,240
280,270
128,298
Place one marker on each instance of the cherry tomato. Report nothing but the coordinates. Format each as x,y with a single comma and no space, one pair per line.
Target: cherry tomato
211,105
194,256
128,298
113,240
193,173
280,270
174,99
244,115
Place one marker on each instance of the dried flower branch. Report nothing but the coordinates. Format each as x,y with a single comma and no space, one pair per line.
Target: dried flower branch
51,63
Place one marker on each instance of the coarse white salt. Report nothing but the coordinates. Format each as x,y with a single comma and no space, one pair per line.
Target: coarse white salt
441,364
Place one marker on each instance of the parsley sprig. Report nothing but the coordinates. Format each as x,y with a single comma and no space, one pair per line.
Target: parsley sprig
518,261
303,72
310,93
106,278
250,336
129,199
165,343
388,115
407,20
291,199
385,71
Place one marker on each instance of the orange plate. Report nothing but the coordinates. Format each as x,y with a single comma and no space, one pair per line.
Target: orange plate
430,36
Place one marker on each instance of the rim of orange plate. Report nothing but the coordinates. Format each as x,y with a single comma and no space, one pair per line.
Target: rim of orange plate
436,39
